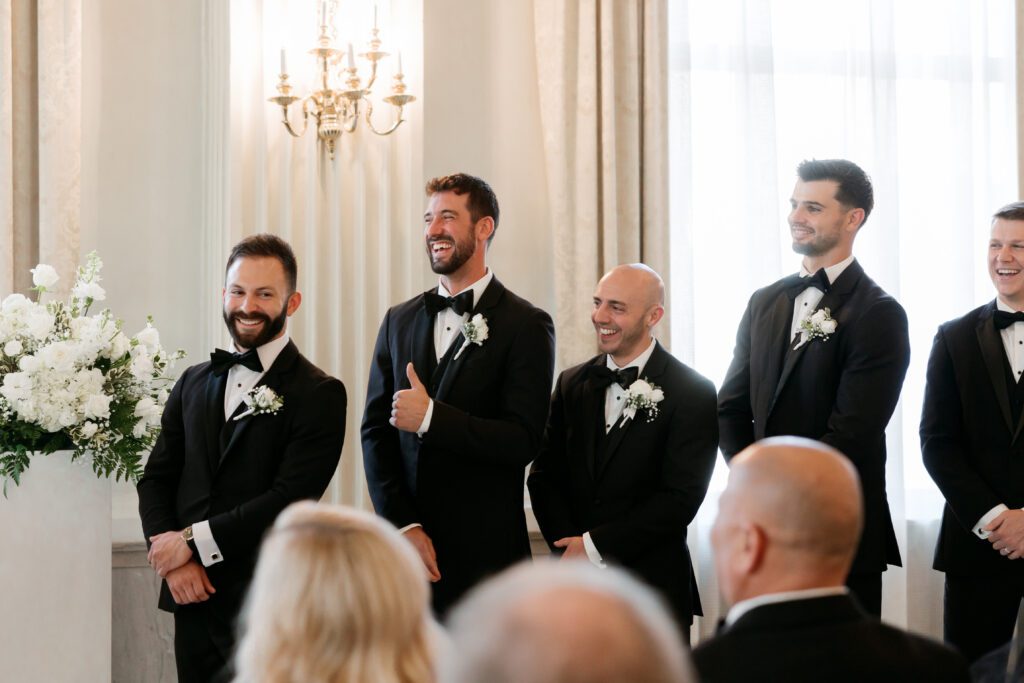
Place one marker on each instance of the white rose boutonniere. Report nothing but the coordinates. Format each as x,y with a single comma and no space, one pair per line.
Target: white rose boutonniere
819,325
475,332
261,400
642,395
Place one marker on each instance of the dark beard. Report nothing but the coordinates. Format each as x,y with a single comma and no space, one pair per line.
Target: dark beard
271,328
461,252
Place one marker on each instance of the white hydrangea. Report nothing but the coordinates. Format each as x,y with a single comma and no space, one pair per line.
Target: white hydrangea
44,276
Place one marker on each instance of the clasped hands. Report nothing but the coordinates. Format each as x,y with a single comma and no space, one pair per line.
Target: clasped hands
1006,534
171,558
409,406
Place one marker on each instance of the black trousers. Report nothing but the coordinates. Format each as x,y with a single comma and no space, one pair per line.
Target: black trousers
203,644
980,612
867,588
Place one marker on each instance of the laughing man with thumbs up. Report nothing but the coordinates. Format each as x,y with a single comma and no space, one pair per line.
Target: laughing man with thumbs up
457,401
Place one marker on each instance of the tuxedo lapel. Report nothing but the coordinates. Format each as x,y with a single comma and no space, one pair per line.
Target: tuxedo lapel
993,353
488,301
273,379
841,290
215,387
780,320
590,399
424,357
652,371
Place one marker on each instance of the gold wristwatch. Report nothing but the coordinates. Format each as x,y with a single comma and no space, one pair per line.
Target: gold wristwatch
186,535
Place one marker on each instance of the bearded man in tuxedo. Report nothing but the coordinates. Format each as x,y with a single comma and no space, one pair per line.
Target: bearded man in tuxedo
619,477
243,436
971,442
822,354
456,401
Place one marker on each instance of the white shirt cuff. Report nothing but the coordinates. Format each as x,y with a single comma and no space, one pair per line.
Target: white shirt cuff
209,552
979,528
409,526
592,554
425,425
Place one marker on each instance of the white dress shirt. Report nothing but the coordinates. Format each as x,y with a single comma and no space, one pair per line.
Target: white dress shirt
1013,344
614,398
744,606
807,301
447,326
240,381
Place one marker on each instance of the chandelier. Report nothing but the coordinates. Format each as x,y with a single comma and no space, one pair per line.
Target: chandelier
335,107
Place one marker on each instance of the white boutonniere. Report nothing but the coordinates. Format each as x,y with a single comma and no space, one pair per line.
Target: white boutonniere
261,400
474,331
819,325
642,395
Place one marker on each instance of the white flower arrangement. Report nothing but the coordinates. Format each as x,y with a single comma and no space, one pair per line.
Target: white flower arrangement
642,395
76,381
819,325
261,400
474,331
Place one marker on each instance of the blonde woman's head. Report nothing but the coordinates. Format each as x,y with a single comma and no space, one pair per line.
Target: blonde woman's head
338,595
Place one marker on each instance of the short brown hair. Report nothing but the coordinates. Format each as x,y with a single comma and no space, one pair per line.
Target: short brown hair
1013,211
854,190
266,245
481,201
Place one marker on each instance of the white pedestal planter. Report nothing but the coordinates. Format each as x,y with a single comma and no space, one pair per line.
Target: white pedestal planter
55,614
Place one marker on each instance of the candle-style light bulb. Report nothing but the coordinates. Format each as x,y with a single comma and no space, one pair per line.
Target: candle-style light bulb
323,13
351,57
374,16
399,61
284,62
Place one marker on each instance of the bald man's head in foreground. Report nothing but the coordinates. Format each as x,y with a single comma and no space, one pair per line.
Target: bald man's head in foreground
628,302
565,622
789,519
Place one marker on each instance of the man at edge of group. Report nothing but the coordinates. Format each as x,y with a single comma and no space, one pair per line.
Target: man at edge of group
972,446
225,464
457,399
618,483
823,354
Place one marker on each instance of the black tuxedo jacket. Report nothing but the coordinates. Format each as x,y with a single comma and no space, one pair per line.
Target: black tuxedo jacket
971,446
241,478
841,390
463,481
823,639
638,487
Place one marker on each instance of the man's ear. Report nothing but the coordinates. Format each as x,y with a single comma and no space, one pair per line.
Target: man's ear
655,315
854,219
293,302
755,544
485,228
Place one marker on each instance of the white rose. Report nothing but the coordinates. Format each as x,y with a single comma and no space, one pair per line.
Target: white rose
149,337
17,386
44,276
97,406
67,418
59,356
13,348
29,364
657,395
149,410
641,388
818,317
142,367
117,347
139,430
828,326
39,324
15,304
89,430
481,327
89,290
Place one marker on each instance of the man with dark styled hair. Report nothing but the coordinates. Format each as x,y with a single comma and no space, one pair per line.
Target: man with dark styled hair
971,442
244,434
823,353
785,534
456,401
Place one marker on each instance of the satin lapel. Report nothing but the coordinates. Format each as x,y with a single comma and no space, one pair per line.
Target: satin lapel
993,352
214,416
841,290
775,352
424,358
653,371
488,301
273,378
591,406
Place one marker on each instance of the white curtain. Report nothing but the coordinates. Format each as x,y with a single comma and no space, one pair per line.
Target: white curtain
353,221
40,139
921,94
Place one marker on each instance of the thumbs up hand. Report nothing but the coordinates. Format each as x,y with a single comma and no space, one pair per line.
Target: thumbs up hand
410,405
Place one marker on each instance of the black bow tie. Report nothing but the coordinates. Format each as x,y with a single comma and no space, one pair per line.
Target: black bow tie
819,280
603,376
461,303
221,361
1004,319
